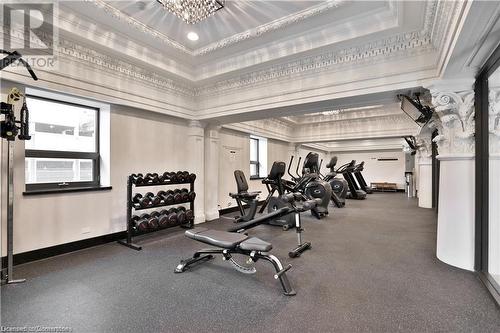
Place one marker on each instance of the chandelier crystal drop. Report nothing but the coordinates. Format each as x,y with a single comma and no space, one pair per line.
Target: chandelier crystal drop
192,11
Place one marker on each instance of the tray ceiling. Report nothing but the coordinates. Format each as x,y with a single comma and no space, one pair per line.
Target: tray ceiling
235,18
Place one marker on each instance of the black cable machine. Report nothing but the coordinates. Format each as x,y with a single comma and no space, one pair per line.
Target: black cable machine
10,128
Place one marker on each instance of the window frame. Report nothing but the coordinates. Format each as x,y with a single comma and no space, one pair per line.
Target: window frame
257,162
482,174
95,157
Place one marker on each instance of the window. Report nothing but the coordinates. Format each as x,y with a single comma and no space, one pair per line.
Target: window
64,148
254,158
258,157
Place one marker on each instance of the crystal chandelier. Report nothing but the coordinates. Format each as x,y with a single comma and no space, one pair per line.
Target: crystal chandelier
192,11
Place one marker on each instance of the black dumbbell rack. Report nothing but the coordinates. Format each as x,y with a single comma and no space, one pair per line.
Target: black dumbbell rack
131,207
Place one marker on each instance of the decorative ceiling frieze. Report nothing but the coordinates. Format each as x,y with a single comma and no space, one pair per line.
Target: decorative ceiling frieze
404,45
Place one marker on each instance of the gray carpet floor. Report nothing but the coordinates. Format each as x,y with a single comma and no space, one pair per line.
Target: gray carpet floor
372,268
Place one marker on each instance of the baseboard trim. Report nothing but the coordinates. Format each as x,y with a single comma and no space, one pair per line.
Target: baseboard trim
25,257
235,208
494,292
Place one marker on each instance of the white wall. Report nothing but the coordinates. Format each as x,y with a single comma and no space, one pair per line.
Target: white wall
141,141
378,171
235,155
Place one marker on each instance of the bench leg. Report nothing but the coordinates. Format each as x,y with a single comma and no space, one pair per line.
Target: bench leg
201,255
280,273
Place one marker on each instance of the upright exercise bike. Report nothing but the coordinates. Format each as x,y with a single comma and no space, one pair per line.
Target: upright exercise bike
339,186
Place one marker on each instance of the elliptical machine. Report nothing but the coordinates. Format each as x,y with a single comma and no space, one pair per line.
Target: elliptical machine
315,187
309,184
339,186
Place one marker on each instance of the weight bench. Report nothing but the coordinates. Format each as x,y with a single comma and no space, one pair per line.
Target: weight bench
229,243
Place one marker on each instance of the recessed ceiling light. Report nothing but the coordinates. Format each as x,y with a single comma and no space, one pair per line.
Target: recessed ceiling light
193,36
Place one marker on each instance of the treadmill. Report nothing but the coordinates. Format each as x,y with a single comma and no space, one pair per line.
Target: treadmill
361,180
354,191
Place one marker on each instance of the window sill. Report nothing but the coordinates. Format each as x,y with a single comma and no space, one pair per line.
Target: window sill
67,190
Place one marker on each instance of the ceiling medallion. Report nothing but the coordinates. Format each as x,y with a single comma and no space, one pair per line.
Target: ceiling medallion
192,11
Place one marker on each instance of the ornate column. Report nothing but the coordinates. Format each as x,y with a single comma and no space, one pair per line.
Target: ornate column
212,141
195,149
454,106
424,168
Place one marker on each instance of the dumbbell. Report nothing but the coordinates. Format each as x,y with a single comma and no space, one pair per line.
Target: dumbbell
191,195
169,177
188,212
171,216
184,195
163,219
181,214
152,178
180,177
139,224
190,177
167,197
142,201
153,221
137,178
155,200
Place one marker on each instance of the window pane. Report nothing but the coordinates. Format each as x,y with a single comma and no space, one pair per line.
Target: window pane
254,148
58,170
253,170
60,126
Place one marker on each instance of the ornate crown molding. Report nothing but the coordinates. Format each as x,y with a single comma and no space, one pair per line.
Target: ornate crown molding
403,44
119,15
455,112
115,66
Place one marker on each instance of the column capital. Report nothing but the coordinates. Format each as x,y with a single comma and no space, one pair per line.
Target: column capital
213,132
453,103
493,121
196,128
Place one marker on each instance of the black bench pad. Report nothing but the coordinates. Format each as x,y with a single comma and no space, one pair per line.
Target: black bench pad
256,244
224,239
244,195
